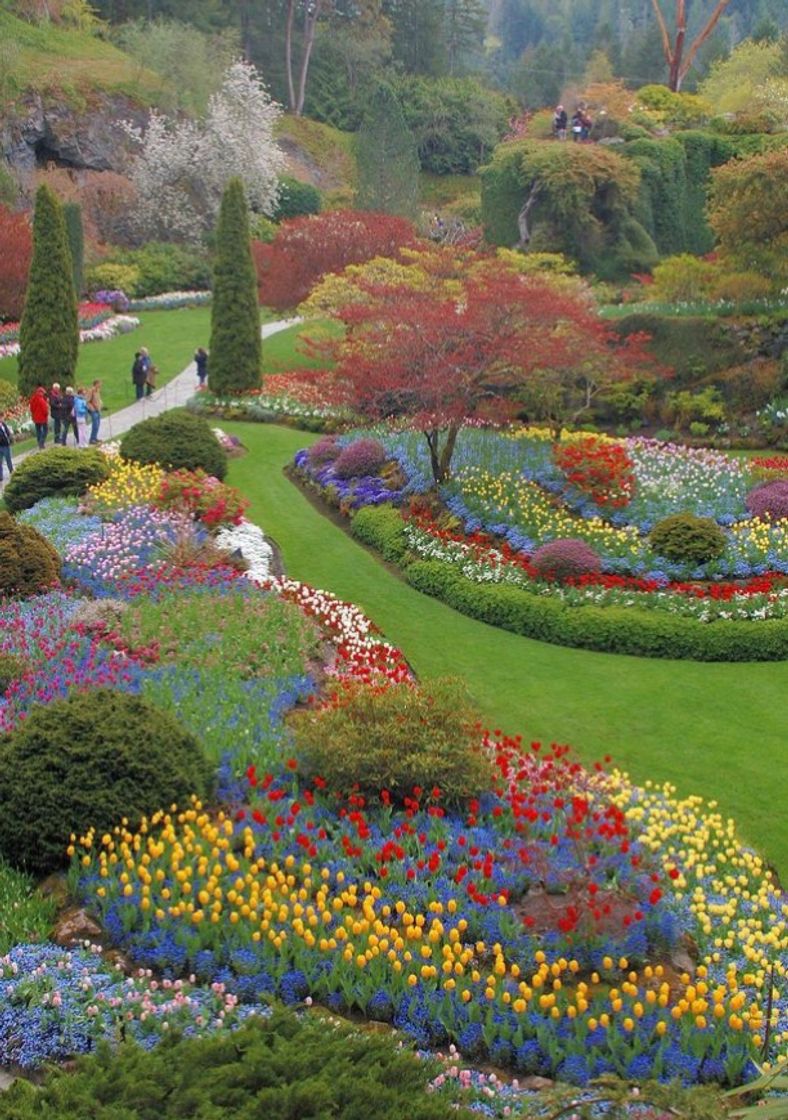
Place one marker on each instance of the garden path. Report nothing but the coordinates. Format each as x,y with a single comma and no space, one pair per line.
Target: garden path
174,394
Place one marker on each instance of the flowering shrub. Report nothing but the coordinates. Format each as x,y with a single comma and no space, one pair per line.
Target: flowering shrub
202,497
326,450
600,469
128,484
769,501
363,457
564,559
114,298
685,538
169,301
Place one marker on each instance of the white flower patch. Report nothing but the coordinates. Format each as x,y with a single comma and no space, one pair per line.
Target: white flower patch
249,540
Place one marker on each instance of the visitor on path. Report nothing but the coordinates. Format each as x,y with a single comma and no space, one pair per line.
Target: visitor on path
139,372
560,120
586,124
69,419
201,360
6,439
81,417
150,378
56,410
94,410
39,414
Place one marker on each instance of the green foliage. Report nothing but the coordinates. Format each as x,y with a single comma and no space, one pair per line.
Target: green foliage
262,228
388,162
165,267
280,1067
669,108
688,345
236,351
684,407
683,278
456,122
611,629
662,206
741,82
9,188
9,395
11,669
687,539
585,197
748,210
85,762
395,738
176,439
62,471
25,915
28,562
295,198
382,528
49,329
108,276
72,213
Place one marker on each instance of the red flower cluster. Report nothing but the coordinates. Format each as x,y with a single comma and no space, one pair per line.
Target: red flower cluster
601,470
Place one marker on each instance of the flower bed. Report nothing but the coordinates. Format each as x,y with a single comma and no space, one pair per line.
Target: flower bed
97,326
286,398
561,922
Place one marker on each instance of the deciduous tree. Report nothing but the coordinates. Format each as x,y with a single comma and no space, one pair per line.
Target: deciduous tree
17,243
678,55
748,212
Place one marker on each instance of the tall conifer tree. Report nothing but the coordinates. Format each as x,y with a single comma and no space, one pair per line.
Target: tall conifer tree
236,354
388,160
49,330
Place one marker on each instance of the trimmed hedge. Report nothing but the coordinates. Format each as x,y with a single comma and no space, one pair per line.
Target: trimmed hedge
176,440
608,629
61,471
382,528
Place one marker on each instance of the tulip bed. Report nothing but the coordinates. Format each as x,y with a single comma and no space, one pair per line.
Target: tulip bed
511,493
562,922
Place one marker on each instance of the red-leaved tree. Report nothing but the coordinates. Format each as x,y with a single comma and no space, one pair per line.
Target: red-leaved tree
440,357
307,248
17,248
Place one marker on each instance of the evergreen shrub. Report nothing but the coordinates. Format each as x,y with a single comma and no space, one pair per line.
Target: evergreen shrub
382,528
396,738
236,354
295,199
687,539
88,761
28,562
175,440
61,471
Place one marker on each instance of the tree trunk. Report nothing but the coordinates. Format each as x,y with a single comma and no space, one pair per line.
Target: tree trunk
310,27
289,54
522,217
440,457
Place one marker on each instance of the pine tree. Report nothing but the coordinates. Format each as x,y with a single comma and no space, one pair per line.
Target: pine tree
72,212
49,330
388,161
235,354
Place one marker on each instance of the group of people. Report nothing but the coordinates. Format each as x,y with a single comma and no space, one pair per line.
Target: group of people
581,126
143,371
69,411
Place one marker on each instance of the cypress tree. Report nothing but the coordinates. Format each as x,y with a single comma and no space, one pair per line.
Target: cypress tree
388,159
49,330
72,212
235,361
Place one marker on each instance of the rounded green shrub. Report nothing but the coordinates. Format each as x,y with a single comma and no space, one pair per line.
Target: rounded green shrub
28,562
176,440
9,395
295,199
398,738
86,762
687,539
61,471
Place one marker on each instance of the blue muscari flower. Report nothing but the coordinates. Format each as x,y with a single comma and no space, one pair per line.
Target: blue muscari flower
531,1059
471,1042
641,1068
574,1070
293,987
712,1070
381,1006
678,1065
501,1052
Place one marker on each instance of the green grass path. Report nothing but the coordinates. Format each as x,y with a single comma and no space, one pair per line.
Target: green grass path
717,730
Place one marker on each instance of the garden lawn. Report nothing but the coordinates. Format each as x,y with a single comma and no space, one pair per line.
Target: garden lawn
718,730
286,351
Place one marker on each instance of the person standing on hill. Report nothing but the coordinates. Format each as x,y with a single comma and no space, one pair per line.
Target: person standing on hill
560,120
6,439
39,413
94,409
139,372
201,361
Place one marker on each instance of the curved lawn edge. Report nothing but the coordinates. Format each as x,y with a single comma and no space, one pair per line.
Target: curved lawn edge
711,728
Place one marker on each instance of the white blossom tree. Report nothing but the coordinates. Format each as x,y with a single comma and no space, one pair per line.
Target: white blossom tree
182,167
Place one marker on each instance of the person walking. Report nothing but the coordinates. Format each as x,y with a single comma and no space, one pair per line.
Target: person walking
150,378
586,124
577,124
201,360
69,419
139,372
39,414
81,417
560,120
56,410
6,439
94,410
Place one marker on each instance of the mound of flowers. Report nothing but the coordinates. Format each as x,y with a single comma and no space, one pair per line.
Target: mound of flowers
97,323
559,921
294,397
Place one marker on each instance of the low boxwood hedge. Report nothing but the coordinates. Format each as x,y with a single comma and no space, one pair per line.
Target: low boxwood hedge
382,528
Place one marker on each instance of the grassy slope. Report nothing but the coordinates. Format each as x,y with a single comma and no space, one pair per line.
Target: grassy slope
286,349
50,58
714,730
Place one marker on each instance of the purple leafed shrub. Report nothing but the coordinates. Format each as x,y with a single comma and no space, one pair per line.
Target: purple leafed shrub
769,500
359,459
326,450
565,558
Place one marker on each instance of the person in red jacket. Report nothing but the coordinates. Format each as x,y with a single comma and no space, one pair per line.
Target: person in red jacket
39,412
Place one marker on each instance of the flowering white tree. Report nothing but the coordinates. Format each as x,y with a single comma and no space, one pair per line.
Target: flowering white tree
182,166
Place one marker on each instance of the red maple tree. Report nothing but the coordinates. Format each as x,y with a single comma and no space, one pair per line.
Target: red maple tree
441,358
17,248
306,249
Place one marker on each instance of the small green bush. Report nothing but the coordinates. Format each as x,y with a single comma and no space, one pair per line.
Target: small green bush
175,440
9,395
295,199
89,761
687,539
111,276
164,267
279,1067
395,738
62,471
28,562
382,528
